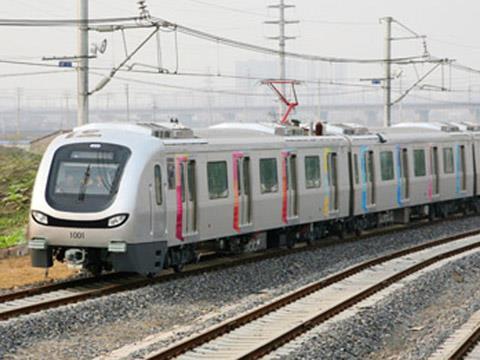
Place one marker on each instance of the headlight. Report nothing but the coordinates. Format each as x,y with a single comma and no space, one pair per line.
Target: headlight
40,217
117,220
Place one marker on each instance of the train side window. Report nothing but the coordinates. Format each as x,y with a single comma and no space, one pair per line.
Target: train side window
268,176
448,160
217,179
312,172
419,162
355,168
171,173
158,185
386,165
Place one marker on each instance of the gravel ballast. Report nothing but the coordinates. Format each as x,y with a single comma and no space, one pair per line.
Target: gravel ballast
179,308
409,323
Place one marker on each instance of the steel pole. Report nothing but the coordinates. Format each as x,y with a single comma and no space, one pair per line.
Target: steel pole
82,69
388,72
281,45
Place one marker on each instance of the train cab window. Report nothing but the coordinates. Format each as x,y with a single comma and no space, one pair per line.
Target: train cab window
386,165
448,160
158,185
217,179
268,176
86,177
419,162
312,172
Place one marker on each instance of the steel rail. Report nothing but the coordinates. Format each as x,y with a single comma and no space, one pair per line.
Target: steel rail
118,282
464,349
226,327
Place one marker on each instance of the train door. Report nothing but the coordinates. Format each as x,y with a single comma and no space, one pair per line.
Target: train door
462,173
435,170
242,195
290,187
157,208
332,170
404,174
369,166
188,210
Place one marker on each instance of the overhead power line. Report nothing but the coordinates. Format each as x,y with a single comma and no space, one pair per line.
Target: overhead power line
223,91
64,22
33,73
246,46
165,24
192,74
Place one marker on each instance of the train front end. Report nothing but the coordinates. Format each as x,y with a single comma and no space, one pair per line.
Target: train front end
84,204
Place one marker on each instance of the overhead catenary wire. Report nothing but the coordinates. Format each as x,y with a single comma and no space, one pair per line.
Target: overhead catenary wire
214,91
193,74
164,24
261,49
65,22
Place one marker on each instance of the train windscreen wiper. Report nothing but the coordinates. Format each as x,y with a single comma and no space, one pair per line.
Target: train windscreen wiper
83,185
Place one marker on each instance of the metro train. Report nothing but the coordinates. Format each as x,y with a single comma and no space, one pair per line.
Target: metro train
141,198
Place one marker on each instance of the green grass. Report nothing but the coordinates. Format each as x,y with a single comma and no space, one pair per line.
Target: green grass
17,174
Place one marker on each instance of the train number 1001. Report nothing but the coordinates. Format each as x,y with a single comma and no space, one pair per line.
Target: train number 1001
77,235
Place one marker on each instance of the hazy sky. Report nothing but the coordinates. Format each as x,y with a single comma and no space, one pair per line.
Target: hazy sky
342,28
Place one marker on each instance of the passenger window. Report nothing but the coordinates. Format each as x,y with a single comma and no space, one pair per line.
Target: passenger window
171,173
268,176
386,165
355,168
419,162
312,172
217,179
448,160
158,185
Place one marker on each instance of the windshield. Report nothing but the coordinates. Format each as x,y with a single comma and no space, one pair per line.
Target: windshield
85,177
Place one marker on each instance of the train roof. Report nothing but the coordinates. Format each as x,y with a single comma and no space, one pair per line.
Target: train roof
221,135
251,135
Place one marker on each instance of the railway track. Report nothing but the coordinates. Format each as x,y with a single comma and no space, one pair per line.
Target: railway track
463,344
54,295
258,332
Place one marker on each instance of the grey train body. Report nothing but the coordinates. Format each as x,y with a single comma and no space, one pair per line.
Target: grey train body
140,198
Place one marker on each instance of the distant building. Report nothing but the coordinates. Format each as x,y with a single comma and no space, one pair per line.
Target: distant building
39,145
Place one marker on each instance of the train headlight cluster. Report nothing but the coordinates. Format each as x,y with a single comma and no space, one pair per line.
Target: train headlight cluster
40,217
117,220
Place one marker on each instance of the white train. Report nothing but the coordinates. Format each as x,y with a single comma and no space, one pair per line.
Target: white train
144,197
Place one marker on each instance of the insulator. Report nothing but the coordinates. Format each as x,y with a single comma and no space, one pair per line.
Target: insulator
143,8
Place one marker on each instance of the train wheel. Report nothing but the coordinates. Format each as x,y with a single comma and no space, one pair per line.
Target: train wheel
178,268
94,269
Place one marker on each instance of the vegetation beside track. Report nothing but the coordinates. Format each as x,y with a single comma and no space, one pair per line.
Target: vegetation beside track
17,174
